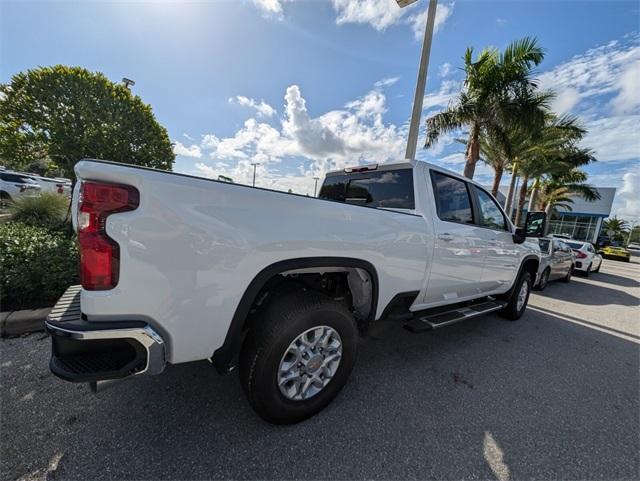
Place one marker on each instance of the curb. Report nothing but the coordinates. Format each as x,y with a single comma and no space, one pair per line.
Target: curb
16,323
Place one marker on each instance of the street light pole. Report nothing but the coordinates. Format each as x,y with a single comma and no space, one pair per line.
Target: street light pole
255,164
315,187
414,126
128,83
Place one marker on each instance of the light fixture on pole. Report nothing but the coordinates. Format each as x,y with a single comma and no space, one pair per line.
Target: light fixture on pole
414,126
315,187
255,164
128,82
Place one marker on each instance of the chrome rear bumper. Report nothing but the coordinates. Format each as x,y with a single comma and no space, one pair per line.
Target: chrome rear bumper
85,351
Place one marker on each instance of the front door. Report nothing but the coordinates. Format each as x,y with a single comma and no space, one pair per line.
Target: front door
501,256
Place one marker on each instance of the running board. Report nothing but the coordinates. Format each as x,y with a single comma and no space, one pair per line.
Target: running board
436,321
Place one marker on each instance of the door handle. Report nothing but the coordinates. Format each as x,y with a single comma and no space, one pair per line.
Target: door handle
445,237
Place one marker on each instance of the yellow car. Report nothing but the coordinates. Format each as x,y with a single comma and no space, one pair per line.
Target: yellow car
619,253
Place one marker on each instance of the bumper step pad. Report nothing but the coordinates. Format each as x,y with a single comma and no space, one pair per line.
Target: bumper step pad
84,351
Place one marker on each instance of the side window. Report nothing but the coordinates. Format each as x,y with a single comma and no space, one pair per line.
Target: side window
453,202
492,216
334,188
387,189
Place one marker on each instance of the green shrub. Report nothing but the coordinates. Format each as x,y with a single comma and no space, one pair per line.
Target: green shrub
47,209
37,264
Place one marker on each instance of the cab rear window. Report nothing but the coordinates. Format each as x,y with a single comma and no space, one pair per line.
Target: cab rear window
391,189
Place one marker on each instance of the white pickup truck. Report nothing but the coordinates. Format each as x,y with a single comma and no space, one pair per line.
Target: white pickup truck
176,268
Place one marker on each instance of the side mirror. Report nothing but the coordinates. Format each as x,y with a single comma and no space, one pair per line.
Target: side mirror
519,236
534,226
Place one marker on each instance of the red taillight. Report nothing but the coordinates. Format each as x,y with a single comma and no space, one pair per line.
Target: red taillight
580,254
60,188
99,254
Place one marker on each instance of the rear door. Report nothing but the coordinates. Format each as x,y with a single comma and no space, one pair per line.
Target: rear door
501,257
458,259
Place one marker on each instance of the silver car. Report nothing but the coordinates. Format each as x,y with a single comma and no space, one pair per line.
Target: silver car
557,261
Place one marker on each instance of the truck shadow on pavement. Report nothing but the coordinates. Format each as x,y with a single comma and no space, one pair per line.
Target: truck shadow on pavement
540,398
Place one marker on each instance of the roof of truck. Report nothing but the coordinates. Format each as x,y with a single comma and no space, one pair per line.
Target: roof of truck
405,164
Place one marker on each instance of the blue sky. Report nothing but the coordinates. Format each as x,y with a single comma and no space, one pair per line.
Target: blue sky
308,86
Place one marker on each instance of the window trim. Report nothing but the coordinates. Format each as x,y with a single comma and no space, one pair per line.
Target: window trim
507,227
434,187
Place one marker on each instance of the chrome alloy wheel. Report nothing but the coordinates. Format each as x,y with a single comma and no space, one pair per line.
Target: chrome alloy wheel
309,363
522,296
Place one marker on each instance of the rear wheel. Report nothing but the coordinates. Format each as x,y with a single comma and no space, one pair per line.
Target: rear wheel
544,280
567,278
298,357
588,271
519,298
598,268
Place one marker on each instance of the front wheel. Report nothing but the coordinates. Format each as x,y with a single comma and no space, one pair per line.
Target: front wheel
298,356
567,278
518,299
544,280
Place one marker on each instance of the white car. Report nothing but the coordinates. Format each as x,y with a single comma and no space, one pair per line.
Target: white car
176,268
57,185
14,185
587,259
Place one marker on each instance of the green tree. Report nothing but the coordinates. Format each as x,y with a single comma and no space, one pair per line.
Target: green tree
498,92
619,227
559,191
61,114
551,152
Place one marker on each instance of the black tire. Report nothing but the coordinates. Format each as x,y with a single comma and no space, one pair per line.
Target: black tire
598,269
5,198
286,318
511,311
588,271
567,278
544,280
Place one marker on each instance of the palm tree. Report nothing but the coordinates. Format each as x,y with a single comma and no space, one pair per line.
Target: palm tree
619,227
558,192
498,92
549,152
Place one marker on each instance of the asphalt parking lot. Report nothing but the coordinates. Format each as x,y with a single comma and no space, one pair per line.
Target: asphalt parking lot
552,396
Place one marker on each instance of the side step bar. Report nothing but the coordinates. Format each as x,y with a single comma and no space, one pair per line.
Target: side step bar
446,318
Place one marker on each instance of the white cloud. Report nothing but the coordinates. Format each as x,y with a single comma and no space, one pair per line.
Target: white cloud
381,14
628,98
565,100
614,138
445,70
270,7
262,108
386,82
449,90
303,146
191,151
627,198
604,70
418,21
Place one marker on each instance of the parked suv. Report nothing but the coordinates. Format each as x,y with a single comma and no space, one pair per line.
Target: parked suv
14,185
